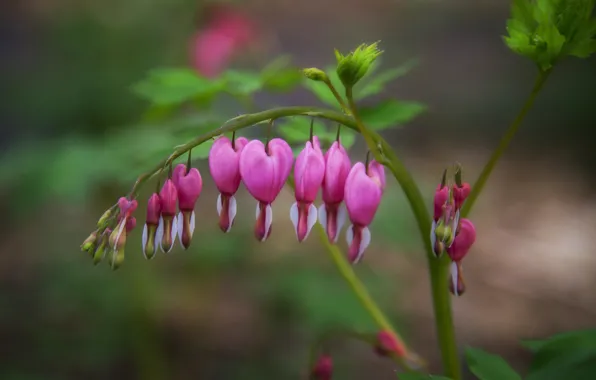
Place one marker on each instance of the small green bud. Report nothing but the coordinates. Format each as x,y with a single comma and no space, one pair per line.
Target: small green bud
315,74
354,66
116,258
103,220
100,252
443,231
89,243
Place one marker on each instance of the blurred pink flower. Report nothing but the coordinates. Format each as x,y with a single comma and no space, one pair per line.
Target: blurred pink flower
214,46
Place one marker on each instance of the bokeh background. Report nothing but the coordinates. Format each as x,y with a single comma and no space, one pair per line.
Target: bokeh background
231,308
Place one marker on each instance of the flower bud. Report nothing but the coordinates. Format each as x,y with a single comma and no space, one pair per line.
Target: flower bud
189,184
100,252
117,244
388,345
168,197
465,238
90,243
323,369
315,74
104,219
457,286
152,234
354,66
460,193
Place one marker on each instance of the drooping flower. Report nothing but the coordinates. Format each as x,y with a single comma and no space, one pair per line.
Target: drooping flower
363,191
153,230
333,213
323,368
117,239
189,183
168,197
224,165
265,170
464,239
309,172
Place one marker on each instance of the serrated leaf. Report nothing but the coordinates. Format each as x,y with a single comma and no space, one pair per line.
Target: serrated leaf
420,376
488,366
171,86
521,10
390,113
376,83
569,355
297,129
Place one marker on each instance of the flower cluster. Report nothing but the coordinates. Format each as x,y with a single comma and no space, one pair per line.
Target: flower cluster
348,191
449,232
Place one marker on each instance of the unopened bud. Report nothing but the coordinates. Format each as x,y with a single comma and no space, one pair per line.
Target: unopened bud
389,345
117,258
104,219
100,252
90,243
354,66
315,74
443,231
323,369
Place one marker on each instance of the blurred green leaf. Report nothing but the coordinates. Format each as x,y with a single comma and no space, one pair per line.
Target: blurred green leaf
347,138
390,113
278,76
376,83
489,366
297,129
320,89
171,86
570,355
242,82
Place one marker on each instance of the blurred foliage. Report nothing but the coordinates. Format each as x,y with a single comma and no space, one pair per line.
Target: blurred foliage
487,366
547,30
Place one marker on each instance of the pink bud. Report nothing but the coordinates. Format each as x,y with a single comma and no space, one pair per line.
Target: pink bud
153,229
389,345
464,239
460,194
127,208
323,369
363,192
309,172
441,198
265,170
224,165
168,197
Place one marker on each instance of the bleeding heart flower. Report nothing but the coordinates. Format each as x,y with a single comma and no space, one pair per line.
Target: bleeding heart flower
309,172
363,192
153,230
333,213
224,165
189,184
265,170
168,197
464,239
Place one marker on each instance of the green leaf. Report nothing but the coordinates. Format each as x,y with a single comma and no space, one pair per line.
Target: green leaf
521,10
279,77
347,138
390,113
420,376
376,83
569,355
242,82
171,86
297,129
488,366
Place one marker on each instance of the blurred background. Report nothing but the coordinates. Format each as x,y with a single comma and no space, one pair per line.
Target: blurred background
75,134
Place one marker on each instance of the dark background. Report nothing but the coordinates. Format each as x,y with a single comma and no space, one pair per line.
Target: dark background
230,308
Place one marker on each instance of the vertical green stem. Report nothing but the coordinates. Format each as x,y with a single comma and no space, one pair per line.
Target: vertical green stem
504,143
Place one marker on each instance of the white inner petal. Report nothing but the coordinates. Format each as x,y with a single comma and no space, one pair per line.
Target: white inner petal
219,204
120,229
454,275
433,236
175,231
342,216
179,223
364,243
144,241
294,216
268,220
192,223
350,234
455,224
231,212
323,216
258,211
312,219
159,233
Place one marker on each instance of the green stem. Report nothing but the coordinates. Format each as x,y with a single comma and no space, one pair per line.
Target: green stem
438,269
504,143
